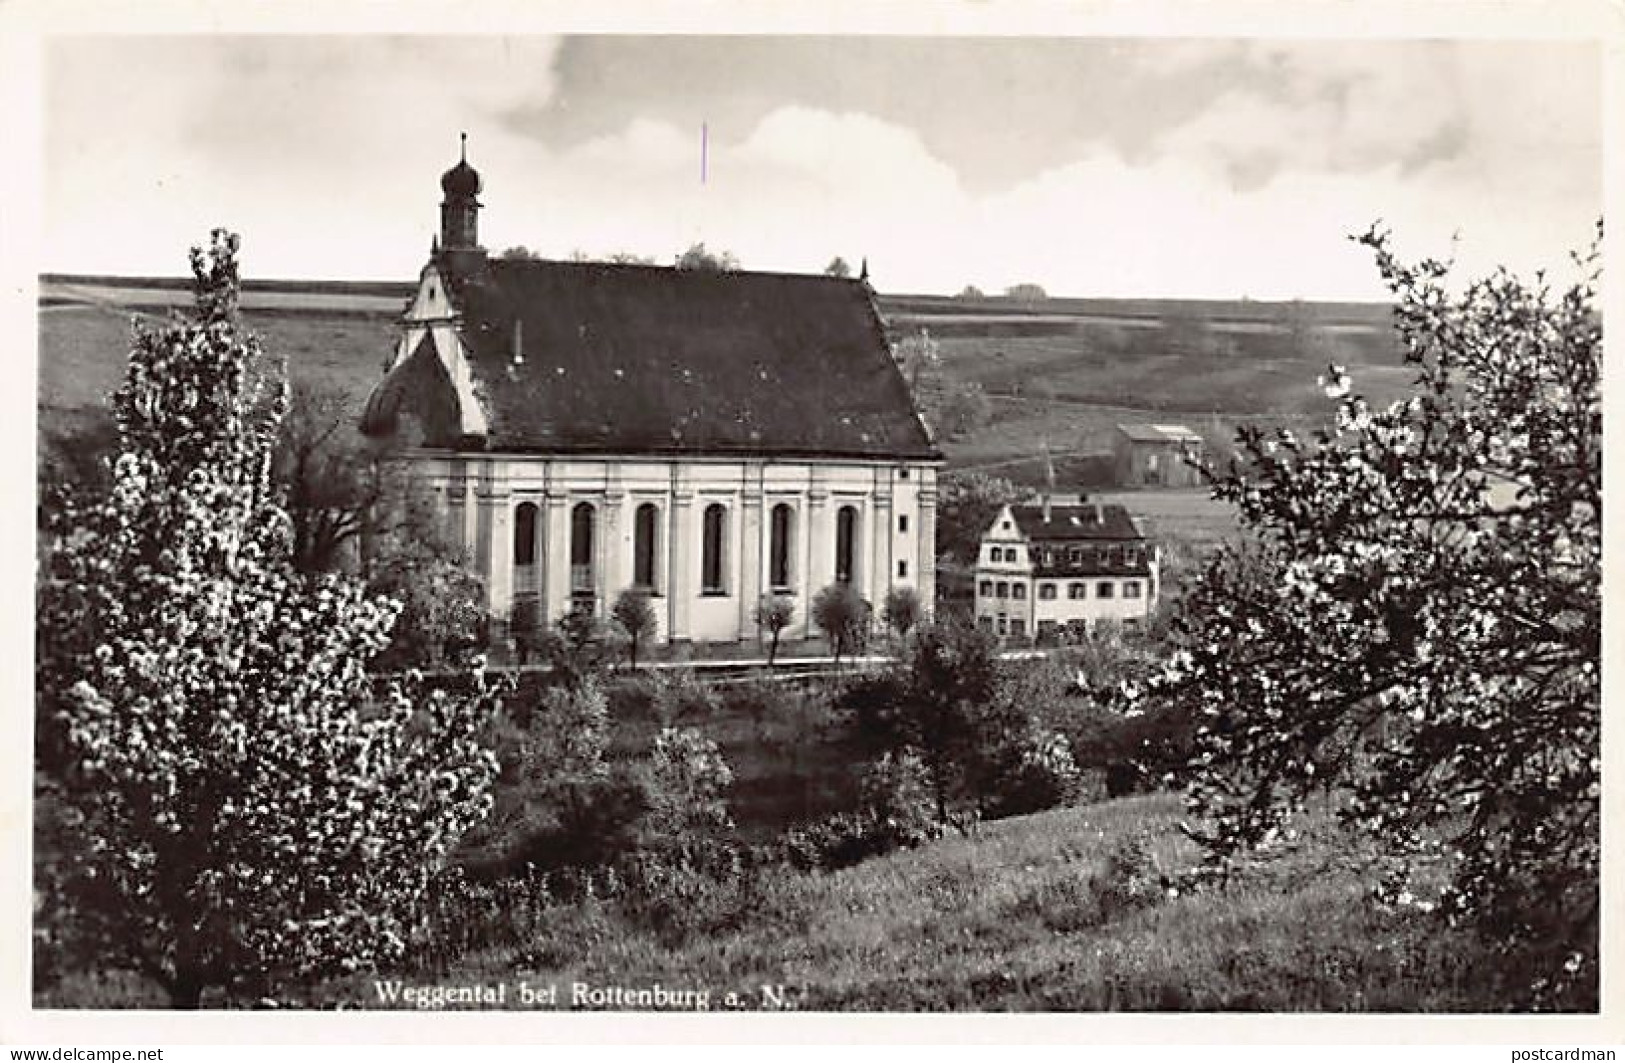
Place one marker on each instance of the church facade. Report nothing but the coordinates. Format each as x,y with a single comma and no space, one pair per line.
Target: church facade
707,438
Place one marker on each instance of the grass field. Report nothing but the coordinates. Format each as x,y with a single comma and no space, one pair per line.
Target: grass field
1070,392
1069,911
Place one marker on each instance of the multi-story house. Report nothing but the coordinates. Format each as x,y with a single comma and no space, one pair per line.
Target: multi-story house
1044,568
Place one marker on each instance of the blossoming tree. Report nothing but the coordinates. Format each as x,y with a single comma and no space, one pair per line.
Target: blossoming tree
246,801
1415,629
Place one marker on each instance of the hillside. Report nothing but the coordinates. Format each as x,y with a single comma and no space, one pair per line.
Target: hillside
1069,911
1060,373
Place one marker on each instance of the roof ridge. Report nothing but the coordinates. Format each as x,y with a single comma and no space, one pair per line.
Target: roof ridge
673,269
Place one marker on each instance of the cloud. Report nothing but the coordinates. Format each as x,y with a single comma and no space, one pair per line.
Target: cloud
307,146
1254,163
1326,108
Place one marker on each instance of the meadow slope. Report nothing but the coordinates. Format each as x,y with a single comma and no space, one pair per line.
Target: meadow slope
1061,374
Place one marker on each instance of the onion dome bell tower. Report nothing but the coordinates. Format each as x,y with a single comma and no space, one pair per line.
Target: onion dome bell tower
459,213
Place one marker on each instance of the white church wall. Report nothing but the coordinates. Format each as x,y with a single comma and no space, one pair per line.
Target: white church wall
482,493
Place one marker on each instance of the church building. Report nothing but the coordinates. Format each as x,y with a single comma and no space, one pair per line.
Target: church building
705,437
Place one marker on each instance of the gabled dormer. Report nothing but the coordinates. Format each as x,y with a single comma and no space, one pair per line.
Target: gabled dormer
1004,545
429,377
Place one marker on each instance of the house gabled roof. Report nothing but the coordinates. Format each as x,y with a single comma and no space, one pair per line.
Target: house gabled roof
586,357
1159,433
1079,523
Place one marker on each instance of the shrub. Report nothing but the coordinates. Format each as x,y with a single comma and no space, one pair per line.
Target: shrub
1040,774
688,784
635,617
902,610
848,838
843,616
775,612
699,888
896,791
558,802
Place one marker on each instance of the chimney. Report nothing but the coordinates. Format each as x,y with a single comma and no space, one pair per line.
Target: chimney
518,341
1100,514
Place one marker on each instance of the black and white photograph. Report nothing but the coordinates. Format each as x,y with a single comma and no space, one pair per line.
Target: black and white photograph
742,517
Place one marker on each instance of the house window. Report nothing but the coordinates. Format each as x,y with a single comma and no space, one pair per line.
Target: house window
645,530
1018,591
1104,588
985,623
781,528
1018,627
1076,591
902,570
846,542
1131,588
713,538
1003,590
902,523
524,534
1046,592
987,588
1004,625
902,474
582,519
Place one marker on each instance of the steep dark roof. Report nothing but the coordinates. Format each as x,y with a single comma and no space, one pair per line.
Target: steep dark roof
1075,523
643,359
418,387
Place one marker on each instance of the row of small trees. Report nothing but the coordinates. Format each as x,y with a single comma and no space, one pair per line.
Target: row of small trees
844,617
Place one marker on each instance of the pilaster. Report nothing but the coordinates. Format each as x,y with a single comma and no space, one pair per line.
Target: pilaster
882,571
750,552
820,567
926,558
555,554
679,563
496,540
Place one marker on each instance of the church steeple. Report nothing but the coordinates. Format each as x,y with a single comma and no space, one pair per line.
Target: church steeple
459,210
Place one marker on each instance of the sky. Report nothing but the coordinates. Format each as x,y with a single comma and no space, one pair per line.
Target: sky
1179,167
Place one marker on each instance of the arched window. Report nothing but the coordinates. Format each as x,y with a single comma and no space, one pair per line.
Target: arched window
846,545
1018,591
582,519
712,543
645,532
524,534
780,529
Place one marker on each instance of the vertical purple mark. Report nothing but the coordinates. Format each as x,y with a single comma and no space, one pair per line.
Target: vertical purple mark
705,145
